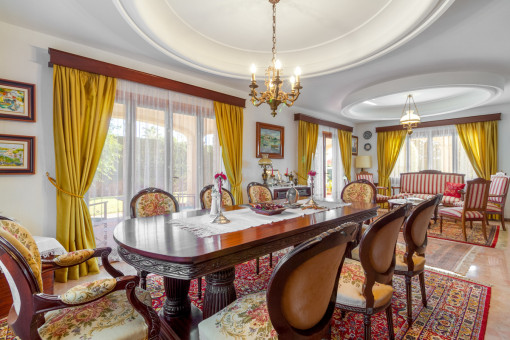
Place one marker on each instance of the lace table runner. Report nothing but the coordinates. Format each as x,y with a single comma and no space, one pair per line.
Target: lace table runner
242,219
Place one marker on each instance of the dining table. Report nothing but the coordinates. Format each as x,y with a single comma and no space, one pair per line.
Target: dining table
169,246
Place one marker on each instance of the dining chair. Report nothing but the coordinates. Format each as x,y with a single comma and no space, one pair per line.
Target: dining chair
474,207
380,198
152,202
258,193
497,196
360,190
113,308
410,257
365,286
206,198
300,298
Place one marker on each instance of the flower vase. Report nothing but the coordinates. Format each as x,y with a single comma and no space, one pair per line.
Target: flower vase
311,200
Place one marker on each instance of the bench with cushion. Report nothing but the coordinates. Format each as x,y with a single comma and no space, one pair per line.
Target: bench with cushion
427,183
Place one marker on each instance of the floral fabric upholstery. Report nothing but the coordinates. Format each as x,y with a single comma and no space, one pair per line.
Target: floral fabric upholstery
88,291
350,287
226,200
400,251
73,257
456,212
358,192
23,241
111,317
259,193
154,204
245,318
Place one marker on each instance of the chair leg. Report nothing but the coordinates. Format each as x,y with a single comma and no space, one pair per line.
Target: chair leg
502,220
342,314
257,267
441,225
143,278
199,287
421,276
368,327
464,229
270,260
471,224
484,229
389,319
409,295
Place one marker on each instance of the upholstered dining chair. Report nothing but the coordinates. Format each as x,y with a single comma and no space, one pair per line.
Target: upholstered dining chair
152,202
112,308
410,257
258,193
205,197
300,298
365,286
474,207
359,191
380,198
497,196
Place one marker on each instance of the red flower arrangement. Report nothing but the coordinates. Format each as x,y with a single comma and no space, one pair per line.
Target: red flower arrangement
222,175
312,173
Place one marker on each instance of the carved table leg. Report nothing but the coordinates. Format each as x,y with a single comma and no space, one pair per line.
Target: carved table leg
219,292
177,302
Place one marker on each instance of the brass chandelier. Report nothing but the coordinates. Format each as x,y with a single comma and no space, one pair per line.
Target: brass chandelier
410,117
274,95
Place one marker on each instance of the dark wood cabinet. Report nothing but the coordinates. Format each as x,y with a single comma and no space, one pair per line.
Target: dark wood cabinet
279,193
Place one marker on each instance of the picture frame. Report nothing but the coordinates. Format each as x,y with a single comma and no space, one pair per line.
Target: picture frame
17,100
355,145
17,155
270,139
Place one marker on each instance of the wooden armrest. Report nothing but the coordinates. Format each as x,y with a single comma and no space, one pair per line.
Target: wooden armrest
496,195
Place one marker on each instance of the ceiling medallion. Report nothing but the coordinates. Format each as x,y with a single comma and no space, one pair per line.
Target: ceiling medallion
410,117
274,96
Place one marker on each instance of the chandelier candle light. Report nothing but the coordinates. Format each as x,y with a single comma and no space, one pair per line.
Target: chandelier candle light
274,96
410,117
220,218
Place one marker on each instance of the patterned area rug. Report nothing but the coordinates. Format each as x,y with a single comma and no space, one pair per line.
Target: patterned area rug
457,309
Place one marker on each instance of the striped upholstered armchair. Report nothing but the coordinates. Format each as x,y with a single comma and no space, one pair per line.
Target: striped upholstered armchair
497,196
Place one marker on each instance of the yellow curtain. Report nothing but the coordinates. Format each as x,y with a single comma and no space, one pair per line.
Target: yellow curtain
308,135
480,140
229,120
82,108
389,144
345,141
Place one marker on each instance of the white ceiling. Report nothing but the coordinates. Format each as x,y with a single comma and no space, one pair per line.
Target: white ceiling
348,47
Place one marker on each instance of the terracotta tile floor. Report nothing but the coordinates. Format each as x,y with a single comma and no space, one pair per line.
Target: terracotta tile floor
491,266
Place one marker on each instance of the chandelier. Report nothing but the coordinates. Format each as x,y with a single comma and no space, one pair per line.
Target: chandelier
274,95
410,117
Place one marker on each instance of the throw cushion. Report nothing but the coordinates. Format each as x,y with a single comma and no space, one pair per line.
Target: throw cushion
452,189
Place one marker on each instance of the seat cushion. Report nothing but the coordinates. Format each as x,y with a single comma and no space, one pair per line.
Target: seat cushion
493,207
450,200
382,198
245,318
400,251
111,317
456,212
350,287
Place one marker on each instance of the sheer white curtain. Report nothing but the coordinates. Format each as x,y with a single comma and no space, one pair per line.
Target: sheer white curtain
328,165
157,138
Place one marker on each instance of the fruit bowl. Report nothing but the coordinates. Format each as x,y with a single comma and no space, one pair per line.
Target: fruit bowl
267,208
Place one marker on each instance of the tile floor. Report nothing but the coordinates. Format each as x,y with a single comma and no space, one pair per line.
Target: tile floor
491,267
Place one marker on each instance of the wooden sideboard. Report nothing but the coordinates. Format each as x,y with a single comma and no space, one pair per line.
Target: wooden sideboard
280,192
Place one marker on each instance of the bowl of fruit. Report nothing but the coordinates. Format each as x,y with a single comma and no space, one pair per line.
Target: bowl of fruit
267,208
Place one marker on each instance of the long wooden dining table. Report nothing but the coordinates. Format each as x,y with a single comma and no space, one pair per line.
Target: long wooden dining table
155,245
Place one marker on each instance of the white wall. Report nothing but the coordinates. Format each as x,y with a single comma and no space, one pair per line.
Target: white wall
31,199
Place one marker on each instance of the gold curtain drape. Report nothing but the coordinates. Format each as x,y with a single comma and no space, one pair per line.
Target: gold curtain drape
308,134
389,144
345,141
229,120
82,108
480,140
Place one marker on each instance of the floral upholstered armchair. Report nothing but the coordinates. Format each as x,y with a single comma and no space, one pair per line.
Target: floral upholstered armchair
258,193
153,202
109,308
227,199
359,191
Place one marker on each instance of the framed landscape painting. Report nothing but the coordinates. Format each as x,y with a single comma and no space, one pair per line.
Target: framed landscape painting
17,100
270,139
17,155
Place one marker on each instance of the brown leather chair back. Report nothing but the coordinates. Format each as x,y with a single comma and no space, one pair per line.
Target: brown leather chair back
302,290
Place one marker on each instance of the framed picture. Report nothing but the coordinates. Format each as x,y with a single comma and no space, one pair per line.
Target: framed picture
17,155
17,100
354,145
270,140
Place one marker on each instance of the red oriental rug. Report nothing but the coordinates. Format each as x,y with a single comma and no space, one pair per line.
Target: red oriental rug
457,309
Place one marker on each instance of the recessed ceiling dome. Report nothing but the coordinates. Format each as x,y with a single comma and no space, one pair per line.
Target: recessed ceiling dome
225,37
434,94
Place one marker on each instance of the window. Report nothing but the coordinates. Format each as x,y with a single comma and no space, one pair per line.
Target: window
437,148
156,138
328,163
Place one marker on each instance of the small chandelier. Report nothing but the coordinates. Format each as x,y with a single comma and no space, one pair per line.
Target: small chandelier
274,96
410,117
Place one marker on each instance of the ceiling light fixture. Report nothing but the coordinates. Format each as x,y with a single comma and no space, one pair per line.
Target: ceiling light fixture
274,96
410,117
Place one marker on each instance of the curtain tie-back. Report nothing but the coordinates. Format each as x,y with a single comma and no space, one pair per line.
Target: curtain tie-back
54,182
